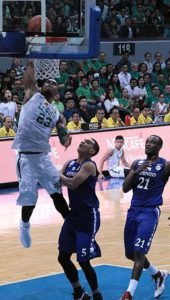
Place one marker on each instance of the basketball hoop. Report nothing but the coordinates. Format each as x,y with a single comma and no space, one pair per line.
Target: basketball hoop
46,68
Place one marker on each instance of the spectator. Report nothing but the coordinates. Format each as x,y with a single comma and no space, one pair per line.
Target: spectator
131,87
144,117
58,104
125,101
67,94
51,14
124,60
69,108
100,118
104,9
6,83
160,109
64,75
113,16
7,130
167,93
138,15
167,116
110,70
18,89
156,70
15,98
124,76
12,74
134,70
101,61
18,67
159,59
114,120
86,111
97,93
134,120
84,90
59,26
122,15
129,30
148,62
142,69
148,83
110,101
17,115
74,80
114,84
103,77
153,98
161,82
166,70
7,107
140,90
27,16
75,123
111,29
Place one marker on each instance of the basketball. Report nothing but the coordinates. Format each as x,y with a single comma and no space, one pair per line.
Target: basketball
34,25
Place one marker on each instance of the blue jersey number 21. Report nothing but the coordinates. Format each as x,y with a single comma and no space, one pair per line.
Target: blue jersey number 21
143,183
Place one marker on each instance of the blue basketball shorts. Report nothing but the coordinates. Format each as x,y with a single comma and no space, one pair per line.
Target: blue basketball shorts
78,235
141,224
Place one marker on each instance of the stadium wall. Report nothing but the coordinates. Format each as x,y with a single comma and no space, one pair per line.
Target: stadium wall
134,148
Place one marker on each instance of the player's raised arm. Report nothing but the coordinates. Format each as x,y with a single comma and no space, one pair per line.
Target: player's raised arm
29,81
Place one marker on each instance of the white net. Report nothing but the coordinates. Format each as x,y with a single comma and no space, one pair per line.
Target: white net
46,68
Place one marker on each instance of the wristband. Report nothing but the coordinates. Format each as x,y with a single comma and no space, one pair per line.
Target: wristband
62,134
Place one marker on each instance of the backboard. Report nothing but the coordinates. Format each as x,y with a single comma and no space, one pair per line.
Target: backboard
75,30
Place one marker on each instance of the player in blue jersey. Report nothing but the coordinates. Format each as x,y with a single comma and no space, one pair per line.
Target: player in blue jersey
147,179
34,166
83,221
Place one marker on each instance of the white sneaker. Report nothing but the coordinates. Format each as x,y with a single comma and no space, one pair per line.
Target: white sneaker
159,279
25,237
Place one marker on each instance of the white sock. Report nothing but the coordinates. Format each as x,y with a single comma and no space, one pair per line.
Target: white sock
152,270
132,286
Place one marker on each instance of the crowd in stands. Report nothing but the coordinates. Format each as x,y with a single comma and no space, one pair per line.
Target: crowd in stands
98,94
63,15
120,19
135,19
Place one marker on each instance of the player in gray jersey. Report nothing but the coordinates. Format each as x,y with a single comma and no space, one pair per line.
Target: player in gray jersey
37,120
113,158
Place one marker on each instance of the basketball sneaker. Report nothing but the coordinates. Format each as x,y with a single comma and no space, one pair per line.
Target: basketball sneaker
97,296
126,296
159,279
84,296
25,237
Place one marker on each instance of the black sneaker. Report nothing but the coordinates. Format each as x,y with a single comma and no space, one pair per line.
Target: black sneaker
84,296
97,296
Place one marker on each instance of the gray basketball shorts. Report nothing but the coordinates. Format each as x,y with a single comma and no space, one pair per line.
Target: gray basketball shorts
32,170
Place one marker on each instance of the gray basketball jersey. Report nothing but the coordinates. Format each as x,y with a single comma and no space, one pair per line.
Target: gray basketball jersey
114,159
37,120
